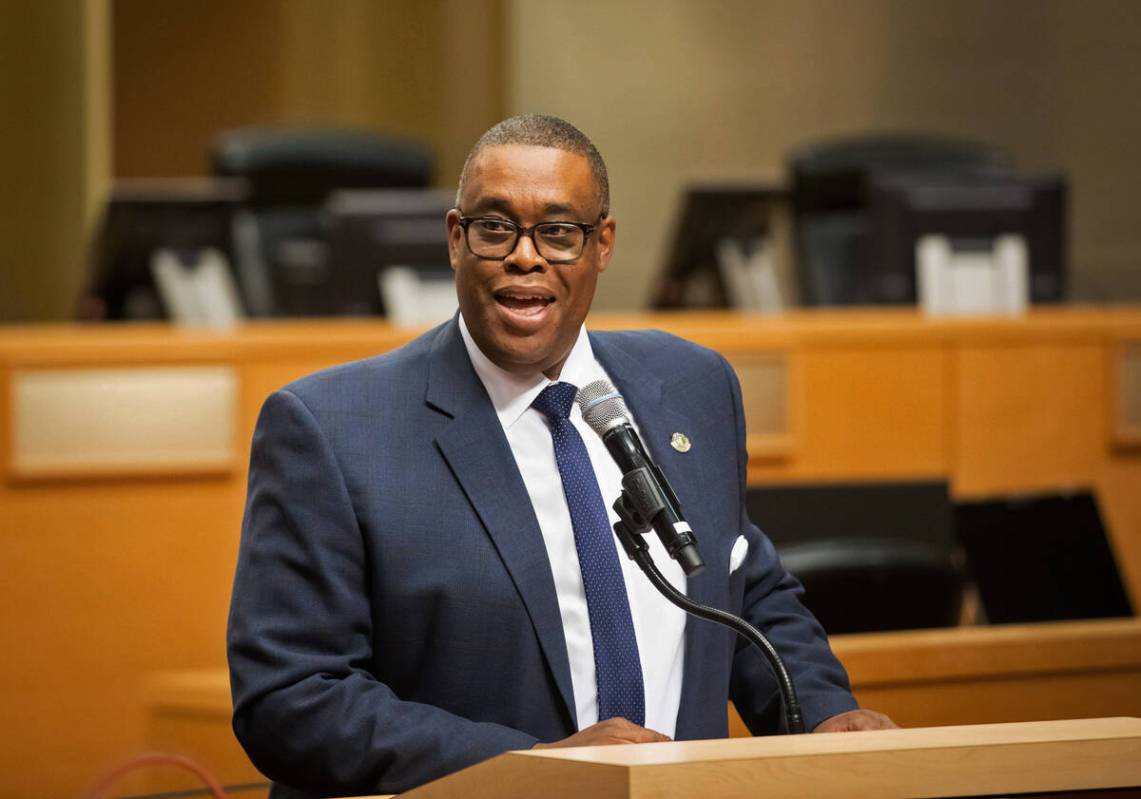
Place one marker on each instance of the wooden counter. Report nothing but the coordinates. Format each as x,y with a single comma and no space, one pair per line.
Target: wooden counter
921,678
123,455
1091,757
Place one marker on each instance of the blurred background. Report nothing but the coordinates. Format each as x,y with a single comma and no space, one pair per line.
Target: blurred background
672,92
208,163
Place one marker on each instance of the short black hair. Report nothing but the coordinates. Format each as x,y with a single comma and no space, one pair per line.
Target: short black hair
540,130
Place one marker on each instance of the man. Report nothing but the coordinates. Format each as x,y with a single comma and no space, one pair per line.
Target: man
415,592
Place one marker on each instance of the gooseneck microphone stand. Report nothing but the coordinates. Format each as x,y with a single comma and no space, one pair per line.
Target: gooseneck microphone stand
630,529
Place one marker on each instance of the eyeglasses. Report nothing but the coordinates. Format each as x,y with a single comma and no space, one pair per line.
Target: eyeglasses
495,238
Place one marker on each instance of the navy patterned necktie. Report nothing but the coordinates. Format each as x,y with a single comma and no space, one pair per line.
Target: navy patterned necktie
618,669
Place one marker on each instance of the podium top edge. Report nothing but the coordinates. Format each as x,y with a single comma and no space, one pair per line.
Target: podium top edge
1070,730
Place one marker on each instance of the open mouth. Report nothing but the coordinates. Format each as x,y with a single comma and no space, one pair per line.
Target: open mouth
524,303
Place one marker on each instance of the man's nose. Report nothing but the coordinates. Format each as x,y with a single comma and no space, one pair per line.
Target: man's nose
525,257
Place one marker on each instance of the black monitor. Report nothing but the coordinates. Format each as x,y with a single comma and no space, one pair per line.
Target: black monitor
1041,557
971,210
371,231
142,216
691,276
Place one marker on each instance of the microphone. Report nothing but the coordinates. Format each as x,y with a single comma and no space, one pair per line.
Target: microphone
605,411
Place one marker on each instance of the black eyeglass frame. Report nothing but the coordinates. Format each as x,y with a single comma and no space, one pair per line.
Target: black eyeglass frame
520,231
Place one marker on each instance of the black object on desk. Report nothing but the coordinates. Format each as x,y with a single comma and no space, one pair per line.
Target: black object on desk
972,210
1042,557
371,231
830,202
183,215
710,214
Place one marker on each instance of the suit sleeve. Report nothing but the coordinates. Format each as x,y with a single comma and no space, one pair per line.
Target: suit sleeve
772,604
307,709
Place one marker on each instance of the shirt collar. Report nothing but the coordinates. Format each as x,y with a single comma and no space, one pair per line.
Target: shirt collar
512,394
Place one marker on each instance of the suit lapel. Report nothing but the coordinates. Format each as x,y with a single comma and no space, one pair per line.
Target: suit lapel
658,419
478,454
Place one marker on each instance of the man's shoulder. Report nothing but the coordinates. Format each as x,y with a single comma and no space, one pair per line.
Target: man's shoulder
651,347
391,371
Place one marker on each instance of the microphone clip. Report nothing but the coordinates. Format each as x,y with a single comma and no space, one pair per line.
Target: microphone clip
640,505
631,524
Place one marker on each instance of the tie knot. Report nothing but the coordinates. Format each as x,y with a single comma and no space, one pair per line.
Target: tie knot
555,400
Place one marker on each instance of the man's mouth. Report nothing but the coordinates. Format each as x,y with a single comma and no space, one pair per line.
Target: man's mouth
524,303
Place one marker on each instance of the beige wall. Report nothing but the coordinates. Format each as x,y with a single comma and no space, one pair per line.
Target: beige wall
184,70
676,89
54,150
430,70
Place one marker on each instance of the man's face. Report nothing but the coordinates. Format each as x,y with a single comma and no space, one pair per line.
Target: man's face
523,312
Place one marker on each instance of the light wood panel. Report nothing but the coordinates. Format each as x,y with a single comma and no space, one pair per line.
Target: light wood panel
771,385
138,420
1126,393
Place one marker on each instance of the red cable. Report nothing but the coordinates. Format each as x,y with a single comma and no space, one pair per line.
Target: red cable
155,759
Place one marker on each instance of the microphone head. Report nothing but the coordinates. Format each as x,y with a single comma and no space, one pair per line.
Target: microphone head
602,406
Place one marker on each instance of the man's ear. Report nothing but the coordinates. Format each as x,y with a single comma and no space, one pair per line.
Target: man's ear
606,231
455,238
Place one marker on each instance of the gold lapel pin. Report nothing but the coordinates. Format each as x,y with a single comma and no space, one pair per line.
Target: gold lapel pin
680,442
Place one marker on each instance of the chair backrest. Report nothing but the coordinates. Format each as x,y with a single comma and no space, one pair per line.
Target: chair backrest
830,182
871,556
858,585
281,254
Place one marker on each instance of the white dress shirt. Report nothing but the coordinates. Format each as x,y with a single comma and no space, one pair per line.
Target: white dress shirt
658,625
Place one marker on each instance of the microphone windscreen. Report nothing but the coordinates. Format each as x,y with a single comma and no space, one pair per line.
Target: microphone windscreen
602,406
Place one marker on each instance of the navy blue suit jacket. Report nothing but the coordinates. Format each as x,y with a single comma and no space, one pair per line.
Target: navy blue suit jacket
394,617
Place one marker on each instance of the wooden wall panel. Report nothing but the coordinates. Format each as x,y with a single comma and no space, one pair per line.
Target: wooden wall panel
975,675
188,713
873,413
1028,416
103,582
1118,485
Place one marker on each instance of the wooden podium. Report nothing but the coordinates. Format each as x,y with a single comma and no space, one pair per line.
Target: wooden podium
1062,758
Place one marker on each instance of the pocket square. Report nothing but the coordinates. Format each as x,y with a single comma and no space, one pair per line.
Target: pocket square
738,553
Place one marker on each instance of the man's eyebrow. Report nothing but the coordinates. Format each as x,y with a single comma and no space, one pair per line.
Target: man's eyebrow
503,205
484,204
558,209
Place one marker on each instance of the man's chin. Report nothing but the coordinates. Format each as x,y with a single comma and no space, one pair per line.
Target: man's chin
527,355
